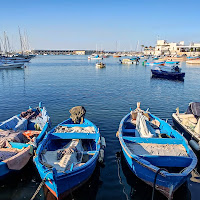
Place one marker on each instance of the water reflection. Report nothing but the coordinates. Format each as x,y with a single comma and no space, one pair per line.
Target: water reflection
173,80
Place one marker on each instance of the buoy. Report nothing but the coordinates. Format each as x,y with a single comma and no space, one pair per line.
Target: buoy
194,145
101,155
117,134
103,143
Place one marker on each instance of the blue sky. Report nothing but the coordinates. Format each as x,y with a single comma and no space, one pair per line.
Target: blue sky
64,24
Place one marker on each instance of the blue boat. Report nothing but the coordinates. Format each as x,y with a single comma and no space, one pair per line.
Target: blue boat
155,153
168,72
19,136
154,63
172,62
68,155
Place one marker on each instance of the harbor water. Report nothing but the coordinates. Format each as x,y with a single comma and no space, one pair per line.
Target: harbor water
62,82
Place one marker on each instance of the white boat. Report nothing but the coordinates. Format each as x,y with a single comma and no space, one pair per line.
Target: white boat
188,124
10,65
100,65
94,57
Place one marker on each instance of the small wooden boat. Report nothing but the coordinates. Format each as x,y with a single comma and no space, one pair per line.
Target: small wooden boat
193,61
149,144
68,155
100,65
19,135
188,124
168,72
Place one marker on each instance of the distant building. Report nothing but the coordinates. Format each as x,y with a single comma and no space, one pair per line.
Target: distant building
149,50
79,52
173,48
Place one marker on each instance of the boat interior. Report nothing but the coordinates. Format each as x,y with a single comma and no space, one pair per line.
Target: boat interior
155,141
69,150
190,121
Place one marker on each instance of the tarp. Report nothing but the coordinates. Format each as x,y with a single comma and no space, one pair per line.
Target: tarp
143,128
194,108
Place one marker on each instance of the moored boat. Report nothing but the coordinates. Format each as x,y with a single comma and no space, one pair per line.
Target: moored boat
168,72
154,63
95,57
19,135
9,65
100,65
155,153
188,124
193,61
69,153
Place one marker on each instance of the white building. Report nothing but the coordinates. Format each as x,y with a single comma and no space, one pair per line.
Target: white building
173,48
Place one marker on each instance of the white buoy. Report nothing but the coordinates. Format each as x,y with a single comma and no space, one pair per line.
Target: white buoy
101,155
103,143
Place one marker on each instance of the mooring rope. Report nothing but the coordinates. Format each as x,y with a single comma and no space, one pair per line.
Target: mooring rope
154,183
119,176
39,187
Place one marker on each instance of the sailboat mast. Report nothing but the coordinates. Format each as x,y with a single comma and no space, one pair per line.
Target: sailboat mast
21,41
5,44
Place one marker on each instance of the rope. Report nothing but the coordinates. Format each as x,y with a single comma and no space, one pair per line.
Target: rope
39,187
120,179
154,183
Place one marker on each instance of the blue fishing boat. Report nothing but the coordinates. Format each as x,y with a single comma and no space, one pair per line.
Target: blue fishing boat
68,155
19,136
155,152
168,72
154,63
172,62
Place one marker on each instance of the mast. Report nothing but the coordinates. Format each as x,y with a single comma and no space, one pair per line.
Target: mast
21,42
5,44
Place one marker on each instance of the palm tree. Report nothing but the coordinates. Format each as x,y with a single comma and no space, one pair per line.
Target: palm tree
142,46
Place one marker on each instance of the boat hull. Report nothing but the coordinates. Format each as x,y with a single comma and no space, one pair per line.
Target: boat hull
167,75
163,183
10,66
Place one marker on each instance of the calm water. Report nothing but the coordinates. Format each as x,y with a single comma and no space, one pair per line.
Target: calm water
62,82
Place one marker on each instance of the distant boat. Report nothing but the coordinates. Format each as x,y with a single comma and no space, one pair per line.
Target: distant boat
19,135
155,153
193,61
10,65
126,61
168,72
94,57
68,155
116,55
154,63
100,65
188,124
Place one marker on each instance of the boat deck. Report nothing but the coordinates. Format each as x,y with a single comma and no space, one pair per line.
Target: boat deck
157,149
